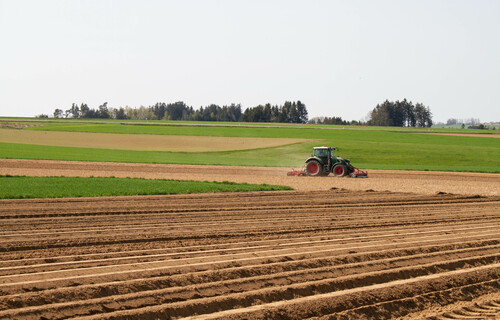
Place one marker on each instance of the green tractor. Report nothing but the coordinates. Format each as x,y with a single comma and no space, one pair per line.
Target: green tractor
323,161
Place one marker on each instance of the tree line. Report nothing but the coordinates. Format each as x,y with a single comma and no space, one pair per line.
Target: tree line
289,112
389,113
469,121
331,120
400,114
393,114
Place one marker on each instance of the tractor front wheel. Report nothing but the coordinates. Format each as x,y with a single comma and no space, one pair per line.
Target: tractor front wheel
339,170
313,168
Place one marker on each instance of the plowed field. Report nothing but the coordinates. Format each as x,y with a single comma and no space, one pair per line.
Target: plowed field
328,254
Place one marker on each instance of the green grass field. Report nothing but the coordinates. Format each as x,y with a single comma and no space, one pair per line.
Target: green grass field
366,147
64,122
20,187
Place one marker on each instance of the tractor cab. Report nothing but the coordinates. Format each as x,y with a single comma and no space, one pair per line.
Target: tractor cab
324,153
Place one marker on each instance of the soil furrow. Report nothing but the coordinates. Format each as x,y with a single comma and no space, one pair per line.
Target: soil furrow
275,282
180,256
266,303
332,267
191,250
257,255
72,227
177,261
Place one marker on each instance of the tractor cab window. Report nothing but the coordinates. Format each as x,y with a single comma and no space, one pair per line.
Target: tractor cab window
321,153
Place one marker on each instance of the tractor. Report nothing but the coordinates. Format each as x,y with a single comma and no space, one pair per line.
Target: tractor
323,161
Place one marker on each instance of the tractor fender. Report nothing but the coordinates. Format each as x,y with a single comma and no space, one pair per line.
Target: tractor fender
314,158
344,162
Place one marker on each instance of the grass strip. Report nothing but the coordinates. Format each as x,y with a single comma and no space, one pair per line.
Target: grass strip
24,187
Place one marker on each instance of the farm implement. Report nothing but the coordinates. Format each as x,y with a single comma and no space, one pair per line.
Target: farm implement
323,161
297,172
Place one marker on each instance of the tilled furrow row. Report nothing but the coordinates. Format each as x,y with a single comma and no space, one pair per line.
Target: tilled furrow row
203,209
329,218
265,211
229,199
393,299
251,207
282,284
103,238
257,266
81,254
67,225
328,246
225,245
50,280
415,307
183,253
236,279
256,255
299,301
288,217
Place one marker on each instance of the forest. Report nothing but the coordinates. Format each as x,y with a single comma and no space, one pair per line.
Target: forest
400,114
289,112
397,114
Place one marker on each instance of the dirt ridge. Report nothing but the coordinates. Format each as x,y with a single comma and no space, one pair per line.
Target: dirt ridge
292,255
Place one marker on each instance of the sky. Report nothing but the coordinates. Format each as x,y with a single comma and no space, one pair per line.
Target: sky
340,58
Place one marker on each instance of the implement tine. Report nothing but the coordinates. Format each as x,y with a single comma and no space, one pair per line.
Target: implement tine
359,173
295,172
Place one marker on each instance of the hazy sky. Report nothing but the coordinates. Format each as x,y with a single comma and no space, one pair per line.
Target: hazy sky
341,58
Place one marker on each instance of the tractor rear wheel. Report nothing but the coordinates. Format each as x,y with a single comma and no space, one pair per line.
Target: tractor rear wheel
339,170
313,168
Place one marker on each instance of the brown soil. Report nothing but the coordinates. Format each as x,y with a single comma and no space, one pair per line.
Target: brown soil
261,255
379,180
315,253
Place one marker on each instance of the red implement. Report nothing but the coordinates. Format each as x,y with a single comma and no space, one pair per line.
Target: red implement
355,174
295,172
359,173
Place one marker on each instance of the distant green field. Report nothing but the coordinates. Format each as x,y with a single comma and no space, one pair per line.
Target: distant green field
20,187
367,147
63,122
